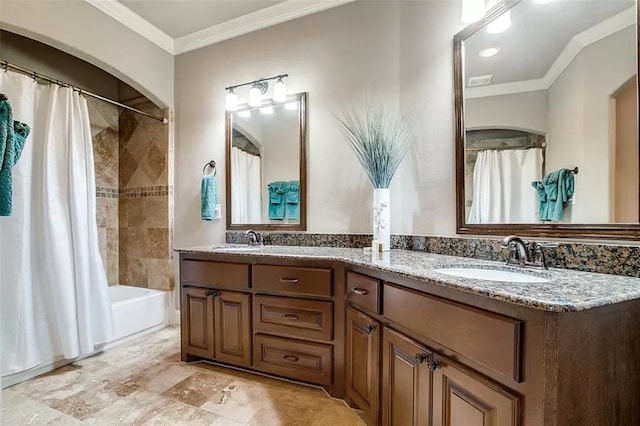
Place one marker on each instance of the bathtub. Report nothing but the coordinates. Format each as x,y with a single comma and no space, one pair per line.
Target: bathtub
137,310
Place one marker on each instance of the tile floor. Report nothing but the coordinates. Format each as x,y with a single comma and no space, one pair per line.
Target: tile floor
143,382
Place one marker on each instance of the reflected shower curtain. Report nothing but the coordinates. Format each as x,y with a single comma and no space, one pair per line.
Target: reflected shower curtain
54,288
246,193
502,191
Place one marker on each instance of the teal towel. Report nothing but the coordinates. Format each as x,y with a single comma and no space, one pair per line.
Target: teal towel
208,196
554,191
277,205
13,135
292,209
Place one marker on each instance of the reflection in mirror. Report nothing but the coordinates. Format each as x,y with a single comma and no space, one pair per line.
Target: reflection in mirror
555,91
265,166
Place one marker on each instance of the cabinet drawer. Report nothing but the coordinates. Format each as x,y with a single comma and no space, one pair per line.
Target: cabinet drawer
485,337
217,273
363,291
293,317
293,280
309,362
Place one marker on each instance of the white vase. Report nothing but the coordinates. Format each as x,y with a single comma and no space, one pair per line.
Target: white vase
381,210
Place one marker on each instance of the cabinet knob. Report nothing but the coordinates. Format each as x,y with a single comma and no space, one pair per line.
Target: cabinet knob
290,317
433,363
370,327
421,357
358,290
291,358
214,293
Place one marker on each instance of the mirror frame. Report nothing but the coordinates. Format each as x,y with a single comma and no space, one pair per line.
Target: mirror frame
590,231
301,98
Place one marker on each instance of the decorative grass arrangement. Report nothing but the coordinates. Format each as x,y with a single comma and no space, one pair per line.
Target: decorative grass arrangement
379,138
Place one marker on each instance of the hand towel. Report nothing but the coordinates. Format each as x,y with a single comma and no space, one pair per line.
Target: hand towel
276,200
292,197
13,135
208,196
554,191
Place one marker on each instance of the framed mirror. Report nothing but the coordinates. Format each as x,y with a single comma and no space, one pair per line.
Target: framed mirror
546,107
266,173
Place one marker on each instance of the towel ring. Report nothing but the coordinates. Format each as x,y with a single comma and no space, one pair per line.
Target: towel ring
211,164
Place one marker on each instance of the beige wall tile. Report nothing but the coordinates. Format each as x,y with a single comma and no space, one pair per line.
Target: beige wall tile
123,212
160,274
136,272
136,242
123,269
157,211
137,213
113,253
158,243
153,164
139,179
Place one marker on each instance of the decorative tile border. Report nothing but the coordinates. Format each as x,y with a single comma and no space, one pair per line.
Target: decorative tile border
605,259
147,191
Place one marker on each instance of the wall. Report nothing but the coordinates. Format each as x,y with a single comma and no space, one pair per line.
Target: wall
625,185
579,121
518,111
80,29
145,235
402,49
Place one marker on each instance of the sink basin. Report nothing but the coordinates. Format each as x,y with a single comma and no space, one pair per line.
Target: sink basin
239,248
491,275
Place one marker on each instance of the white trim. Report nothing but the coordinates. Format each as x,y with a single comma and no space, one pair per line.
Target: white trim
578,42
135,23
257,20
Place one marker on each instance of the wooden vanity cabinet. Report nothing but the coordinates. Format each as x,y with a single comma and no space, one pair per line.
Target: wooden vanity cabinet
216,325
363,362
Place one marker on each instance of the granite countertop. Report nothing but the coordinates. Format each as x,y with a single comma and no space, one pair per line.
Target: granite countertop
564,291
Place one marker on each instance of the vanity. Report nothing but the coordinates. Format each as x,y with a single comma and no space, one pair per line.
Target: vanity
409,345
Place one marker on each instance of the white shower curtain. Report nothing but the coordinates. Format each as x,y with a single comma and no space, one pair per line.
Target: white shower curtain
53,285
245,187
502,191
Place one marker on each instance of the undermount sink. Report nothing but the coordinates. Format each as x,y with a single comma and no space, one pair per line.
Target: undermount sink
489,274
240,248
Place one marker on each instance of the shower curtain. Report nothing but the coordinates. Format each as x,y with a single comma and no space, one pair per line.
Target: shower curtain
502,191
246,192
54,288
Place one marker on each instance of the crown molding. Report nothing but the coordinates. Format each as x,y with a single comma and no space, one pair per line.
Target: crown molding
257,20
578,42
135,23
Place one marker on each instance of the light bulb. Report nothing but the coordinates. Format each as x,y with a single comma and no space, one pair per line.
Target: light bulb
500,24
231,101
279,91
292,106
267,110
245,114
472,10
255,97
488,52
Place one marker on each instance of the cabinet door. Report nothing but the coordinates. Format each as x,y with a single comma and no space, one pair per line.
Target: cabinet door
197,322
406,382
233,328
462,397
363,357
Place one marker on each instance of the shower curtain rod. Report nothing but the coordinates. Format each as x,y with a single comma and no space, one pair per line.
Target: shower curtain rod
504,148
36,75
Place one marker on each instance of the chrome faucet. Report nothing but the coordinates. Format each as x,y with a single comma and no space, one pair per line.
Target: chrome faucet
519,254
254,238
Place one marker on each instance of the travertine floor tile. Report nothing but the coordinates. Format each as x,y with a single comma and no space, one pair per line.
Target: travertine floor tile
143,382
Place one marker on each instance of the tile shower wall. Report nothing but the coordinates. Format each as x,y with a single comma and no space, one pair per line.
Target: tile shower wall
104,132
144,195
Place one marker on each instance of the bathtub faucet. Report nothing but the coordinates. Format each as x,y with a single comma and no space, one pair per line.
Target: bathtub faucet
255,238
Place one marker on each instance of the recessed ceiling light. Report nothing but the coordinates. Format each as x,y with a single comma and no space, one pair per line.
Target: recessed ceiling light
487,52
542,1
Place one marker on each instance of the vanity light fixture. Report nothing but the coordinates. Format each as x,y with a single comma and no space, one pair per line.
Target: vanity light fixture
267,110
472,11
245,114
291,106
500,24
542,1
490,51
258,89
231,101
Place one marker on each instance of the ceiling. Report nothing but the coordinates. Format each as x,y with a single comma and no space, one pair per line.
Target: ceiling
541,34
179,26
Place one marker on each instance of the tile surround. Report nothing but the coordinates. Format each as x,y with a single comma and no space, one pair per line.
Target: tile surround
600,258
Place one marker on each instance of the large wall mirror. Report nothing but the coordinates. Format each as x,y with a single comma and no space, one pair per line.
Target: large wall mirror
266,166
547,120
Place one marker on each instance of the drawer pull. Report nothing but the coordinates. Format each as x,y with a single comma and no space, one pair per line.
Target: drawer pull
370,327
214,293
290,317
289,280
291,358
360,291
